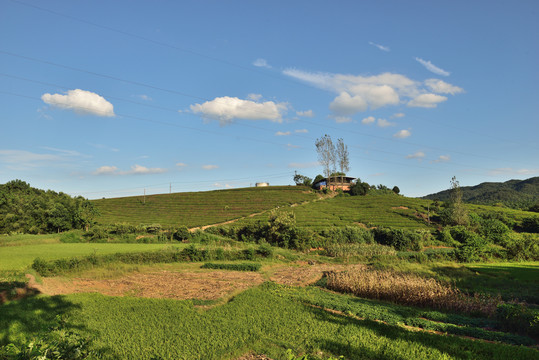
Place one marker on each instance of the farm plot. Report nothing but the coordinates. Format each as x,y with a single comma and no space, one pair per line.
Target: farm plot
198,208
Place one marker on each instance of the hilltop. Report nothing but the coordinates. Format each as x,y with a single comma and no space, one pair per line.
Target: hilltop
512,193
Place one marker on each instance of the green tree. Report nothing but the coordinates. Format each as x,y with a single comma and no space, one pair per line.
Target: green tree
303,180
456,213
343,158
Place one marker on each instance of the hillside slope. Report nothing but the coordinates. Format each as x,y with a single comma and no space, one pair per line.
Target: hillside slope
513,193
198,208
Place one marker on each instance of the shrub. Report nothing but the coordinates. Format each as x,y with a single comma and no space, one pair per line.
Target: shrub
493,230
181,233
70,237
265,250
523,247
530,224
398,238
96,234
518,318
359,250
233,267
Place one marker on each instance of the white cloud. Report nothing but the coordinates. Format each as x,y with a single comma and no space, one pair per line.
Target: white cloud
442,158
282,133
381,47
427,100
303,165
402,134
432,68
301,131
441,87
181,165
344,104
359,93
106,170
135,170
342,119
219,185
26,157
225,109
384,123
209,167
261,63
368,120
417,155
307,113
80,101
398,115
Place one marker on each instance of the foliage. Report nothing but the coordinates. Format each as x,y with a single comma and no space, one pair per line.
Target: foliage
234,267
398,238
518,318
530,224
396,190
24,209
359,188
303,180
326,154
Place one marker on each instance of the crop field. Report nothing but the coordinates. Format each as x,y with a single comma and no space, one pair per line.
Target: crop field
198,208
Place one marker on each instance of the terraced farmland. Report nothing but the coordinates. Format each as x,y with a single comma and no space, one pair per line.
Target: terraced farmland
199,208
378,210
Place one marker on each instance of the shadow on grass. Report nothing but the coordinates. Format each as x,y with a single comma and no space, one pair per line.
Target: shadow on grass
453,346
511,282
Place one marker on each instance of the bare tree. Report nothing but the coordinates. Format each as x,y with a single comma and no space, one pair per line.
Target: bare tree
343,158
326,154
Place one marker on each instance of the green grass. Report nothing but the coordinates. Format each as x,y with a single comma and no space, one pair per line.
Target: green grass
27,239
194,209
21,257
267,319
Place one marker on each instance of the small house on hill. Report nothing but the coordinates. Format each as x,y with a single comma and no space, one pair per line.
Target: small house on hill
344,183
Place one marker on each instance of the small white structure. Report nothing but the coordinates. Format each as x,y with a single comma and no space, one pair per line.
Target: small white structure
260,184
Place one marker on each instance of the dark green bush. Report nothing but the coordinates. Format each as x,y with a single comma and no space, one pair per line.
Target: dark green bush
523,247
530,224
234,267
265,250
96,234
518,318
181,233
70,237
398,238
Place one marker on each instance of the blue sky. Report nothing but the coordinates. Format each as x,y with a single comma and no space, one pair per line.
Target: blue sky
114,98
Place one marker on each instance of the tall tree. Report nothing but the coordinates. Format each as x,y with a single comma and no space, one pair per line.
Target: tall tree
459,215
326,154
342,158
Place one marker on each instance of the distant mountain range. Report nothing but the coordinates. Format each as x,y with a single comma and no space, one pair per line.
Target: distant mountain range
513,193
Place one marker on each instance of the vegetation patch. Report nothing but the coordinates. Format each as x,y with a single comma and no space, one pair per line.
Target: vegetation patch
234,267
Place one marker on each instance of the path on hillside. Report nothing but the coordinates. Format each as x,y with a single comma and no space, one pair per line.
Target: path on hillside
204,227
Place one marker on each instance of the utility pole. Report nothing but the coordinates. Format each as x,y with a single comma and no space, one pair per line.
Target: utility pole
144,196
170,188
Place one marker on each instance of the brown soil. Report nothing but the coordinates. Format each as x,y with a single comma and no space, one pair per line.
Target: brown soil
400,208
186,284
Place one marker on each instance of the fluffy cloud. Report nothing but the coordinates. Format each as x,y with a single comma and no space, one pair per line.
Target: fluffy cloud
181,165
261,63
402,134
427,100
282,133
417,155
135,170
80,101
209,167
441,87
368,120
344,104
432,68
356,93
307,113
225,109
398,115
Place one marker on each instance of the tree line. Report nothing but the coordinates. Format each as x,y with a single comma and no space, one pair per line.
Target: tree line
24,209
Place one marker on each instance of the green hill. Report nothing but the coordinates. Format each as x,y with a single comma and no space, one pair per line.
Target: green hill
513,193
199,208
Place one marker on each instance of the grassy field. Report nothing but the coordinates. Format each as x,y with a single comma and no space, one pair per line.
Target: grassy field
267,319
21,257
199,208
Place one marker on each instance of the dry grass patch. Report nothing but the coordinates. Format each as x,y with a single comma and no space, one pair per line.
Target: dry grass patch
409,289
